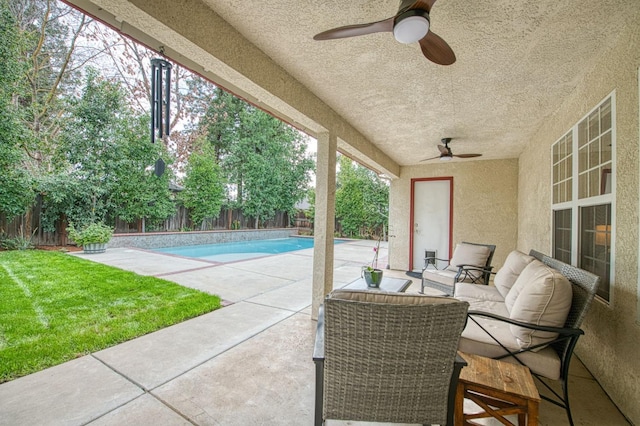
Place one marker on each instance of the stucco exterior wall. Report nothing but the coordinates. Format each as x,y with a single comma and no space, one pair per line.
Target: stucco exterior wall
484,206
611,346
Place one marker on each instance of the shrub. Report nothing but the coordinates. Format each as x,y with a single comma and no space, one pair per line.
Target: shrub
16,243
19,242
94,233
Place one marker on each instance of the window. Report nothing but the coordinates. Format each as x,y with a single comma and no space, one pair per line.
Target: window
582,196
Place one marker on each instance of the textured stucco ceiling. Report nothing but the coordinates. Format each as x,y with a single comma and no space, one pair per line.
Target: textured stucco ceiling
516,61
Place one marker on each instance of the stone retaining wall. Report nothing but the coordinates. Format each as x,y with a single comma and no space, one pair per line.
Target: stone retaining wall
175,239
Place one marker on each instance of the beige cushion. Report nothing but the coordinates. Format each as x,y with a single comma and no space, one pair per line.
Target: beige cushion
388,298
542,296
512,268
474,340
468,292
469,254
443,276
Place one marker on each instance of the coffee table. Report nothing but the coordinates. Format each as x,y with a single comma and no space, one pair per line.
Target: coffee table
396,285
500,388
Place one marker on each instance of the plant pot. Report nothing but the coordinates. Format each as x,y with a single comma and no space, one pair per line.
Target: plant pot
94,248
373,278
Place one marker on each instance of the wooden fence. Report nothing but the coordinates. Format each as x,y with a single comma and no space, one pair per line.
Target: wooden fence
29,225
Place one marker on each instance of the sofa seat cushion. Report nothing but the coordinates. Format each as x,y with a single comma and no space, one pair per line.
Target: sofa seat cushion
442,276
470,292
474,340
490,306
507,275
542,296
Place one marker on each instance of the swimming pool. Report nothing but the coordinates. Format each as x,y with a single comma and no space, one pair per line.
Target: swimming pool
241,250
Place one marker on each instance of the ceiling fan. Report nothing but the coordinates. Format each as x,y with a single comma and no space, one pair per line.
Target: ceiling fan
409,25
446,154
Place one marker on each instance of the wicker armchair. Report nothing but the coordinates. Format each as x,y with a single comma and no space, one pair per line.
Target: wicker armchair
470,263
386,357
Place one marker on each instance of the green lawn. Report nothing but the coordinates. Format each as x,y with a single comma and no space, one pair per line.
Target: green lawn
55,307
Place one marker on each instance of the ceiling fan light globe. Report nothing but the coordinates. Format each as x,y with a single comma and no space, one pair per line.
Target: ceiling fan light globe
411,29
446,158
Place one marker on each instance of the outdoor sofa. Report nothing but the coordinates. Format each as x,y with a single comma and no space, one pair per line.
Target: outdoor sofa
531,315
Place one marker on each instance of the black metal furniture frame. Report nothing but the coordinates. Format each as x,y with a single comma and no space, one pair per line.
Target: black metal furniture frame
466,273
585,285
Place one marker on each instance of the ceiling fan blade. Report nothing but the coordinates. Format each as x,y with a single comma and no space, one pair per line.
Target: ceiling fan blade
357,30
436,49
467,155
423,4
443,149
432,158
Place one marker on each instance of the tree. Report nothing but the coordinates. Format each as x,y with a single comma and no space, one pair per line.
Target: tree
203,194
129,63
137,192
362,200
264,159
105,162
275,169
50,31
16,192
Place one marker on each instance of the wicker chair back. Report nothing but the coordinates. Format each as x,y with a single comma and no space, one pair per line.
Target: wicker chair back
390,358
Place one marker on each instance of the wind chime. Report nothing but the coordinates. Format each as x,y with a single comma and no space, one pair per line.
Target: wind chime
160,104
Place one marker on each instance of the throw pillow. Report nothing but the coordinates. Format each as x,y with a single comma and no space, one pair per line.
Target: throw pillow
542,296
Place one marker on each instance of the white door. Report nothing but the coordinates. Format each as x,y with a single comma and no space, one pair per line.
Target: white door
431,217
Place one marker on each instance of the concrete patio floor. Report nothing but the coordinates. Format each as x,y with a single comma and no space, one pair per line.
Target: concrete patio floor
248,363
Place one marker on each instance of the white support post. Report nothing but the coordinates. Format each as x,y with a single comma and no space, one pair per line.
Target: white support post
324,220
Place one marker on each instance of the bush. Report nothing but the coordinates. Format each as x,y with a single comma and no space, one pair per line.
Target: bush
94,233
16,243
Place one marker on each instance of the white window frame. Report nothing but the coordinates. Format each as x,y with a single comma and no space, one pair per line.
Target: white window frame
576,203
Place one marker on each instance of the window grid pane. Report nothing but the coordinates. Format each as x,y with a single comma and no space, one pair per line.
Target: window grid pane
605,147
562,235
595,244
562,169
583,138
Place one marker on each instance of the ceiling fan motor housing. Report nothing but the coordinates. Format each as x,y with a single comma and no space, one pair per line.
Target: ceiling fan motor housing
411,26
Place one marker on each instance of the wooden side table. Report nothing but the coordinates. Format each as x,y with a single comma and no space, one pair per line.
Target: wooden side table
499,388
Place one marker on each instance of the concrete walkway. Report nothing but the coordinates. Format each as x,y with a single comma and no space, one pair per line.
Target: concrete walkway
248,363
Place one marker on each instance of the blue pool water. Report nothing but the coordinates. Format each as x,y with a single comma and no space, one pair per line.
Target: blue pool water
241,250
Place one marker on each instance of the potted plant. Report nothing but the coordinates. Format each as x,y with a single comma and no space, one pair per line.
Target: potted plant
371,274
93,238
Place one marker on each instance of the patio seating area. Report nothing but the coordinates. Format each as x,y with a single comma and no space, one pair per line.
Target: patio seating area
247,363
